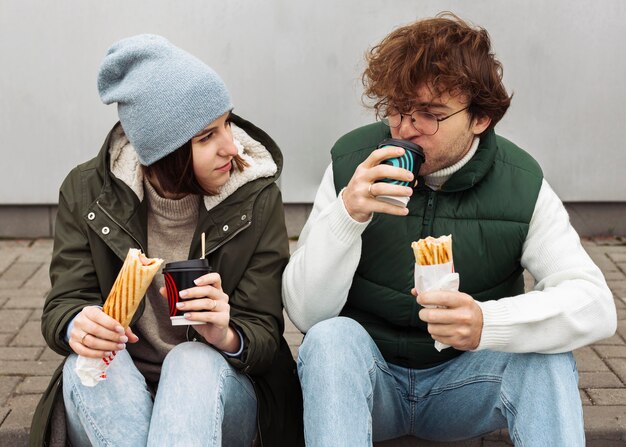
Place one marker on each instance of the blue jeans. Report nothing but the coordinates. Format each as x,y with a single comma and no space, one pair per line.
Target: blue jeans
201,401
353,397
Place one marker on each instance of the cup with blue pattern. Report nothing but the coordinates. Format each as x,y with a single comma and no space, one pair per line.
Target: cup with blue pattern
411,160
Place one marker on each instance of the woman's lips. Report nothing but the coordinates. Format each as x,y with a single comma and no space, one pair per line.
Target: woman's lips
227,167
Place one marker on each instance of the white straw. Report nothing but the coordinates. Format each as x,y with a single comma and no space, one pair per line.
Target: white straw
202,239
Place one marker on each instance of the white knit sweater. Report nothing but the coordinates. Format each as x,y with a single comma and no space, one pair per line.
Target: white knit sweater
570,306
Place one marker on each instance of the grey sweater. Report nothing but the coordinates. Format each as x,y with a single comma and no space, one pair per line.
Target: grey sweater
171,224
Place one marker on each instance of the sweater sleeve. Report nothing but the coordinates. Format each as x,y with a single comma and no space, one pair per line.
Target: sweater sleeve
318,276
571,304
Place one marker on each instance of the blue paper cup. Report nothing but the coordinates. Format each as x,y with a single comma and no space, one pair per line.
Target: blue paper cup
411,160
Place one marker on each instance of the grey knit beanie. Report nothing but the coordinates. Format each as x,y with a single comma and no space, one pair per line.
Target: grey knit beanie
164,95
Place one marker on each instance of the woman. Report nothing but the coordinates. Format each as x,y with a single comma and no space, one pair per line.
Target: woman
178,164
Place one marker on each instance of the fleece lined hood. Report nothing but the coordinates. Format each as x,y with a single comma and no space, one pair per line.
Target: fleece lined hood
125,164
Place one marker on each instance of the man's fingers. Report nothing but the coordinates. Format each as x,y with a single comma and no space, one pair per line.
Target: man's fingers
437,316
387,171
442,298
457,341
389,189
388,208
359,196
381,154
460,316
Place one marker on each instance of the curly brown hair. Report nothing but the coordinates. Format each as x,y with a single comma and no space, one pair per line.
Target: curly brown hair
445,53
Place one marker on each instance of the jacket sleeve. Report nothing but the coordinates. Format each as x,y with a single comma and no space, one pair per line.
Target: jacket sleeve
256,306
72,273
318,277
571,305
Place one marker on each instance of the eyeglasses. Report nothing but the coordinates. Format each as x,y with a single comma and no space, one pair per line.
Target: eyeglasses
424,122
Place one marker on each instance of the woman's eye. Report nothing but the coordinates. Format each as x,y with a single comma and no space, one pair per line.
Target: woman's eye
205,137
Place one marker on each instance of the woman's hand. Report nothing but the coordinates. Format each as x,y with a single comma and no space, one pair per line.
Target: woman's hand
96,335
208,303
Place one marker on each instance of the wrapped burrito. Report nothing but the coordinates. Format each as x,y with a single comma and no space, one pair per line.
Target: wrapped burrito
127,292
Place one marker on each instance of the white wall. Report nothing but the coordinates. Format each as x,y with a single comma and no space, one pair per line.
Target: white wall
294,67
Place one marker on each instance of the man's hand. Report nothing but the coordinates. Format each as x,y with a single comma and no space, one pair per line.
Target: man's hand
359,196
458,324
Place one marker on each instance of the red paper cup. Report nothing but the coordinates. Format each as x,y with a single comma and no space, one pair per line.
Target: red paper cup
180,276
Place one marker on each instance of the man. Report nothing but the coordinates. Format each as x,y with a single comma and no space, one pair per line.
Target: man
368,367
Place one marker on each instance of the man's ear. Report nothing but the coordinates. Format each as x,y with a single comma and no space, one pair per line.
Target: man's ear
480,124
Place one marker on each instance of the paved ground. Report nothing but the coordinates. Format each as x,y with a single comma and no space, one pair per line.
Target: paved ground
26,363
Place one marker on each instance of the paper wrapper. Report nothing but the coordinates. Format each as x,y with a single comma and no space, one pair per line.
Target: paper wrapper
128,290
436,277
90,371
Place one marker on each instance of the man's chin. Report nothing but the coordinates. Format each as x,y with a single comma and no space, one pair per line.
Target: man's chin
424,171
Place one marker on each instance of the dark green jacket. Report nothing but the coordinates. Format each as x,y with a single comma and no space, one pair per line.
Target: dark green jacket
486,206
246,242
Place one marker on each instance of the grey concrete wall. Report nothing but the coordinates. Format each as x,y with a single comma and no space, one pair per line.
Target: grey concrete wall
588,218
294,68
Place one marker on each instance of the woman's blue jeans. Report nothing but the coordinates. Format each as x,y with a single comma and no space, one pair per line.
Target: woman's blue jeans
353,397
201,401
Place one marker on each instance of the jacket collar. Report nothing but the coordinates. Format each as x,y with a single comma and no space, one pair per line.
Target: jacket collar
122,201
478,166
124,164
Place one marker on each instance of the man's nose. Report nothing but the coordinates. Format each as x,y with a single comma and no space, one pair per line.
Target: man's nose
407,129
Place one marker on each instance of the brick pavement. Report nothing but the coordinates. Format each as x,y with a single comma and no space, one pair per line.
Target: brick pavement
26,363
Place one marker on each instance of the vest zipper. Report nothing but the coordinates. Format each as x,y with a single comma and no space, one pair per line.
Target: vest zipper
429,214
120,225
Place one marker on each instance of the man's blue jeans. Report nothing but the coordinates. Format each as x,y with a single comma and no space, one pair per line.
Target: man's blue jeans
353,397
201,400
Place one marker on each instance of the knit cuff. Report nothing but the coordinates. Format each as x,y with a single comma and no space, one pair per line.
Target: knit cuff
241,343
497,328
342,225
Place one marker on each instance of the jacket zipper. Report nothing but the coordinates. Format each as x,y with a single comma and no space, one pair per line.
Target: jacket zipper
258,424
211,251
120,225
427,223
228,238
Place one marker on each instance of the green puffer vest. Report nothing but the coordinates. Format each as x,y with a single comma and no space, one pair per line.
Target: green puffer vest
486,206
